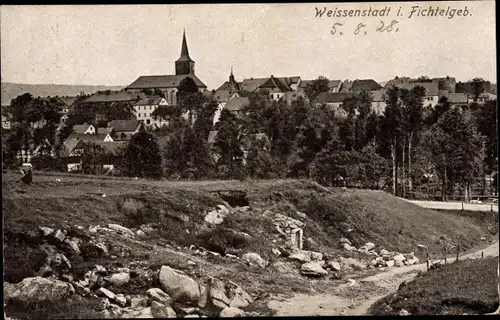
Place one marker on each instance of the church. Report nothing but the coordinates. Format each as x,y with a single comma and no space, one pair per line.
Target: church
168,84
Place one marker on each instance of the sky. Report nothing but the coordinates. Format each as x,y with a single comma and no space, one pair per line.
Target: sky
114,45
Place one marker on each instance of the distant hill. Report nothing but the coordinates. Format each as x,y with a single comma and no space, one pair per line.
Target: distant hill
11,90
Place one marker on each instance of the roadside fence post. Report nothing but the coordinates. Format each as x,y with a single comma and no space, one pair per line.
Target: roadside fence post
482,254
462,206
445,255
458,251
427,261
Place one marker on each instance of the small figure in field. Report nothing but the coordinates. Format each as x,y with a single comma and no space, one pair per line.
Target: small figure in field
27,175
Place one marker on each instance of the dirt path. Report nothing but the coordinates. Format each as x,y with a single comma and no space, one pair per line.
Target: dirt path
362,293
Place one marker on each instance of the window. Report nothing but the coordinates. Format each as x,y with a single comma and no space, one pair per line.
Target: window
148,121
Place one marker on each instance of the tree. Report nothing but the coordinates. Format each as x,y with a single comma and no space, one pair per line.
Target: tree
190,99
205,119
93,158
318,86
259,161
477,88
374,167
142,156
228,143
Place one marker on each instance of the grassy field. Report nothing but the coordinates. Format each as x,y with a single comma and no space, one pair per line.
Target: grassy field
467,286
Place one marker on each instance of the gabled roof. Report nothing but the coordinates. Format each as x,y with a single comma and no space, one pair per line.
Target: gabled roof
163,81
151,100
72,144
114,96
334,83
113,147
282,83
237,104
124,125
333,97
80,128
223,95
431,88
68,101
104,130
88,137
251,84
364,85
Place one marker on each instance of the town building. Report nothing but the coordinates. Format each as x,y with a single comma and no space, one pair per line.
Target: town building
84,129
168,85
333,101
124,129
144,109
378,101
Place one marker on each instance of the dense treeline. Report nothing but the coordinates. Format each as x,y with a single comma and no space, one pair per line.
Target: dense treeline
406,149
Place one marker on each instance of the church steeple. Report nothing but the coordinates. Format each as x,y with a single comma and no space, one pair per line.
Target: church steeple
231,76
184,65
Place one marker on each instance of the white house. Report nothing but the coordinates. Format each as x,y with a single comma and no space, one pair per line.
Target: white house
84,129
144,109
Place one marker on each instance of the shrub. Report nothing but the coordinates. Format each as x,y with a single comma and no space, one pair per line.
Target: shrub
22,262
73,309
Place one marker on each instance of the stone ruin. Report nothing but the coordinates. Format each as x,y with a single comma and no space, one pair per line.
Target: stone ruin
292,229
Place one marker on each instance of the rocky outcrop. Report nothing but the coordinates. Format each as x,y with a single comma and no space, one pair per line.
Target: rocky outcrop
254,259
121,230
314,269
231,313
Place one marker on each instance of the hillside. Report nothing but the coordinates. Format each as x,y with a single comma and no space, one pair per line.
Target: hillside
170,217
11,90
468,287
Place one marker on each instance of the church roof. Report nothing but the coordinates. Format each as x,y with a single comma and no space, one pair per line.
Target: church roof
251,84
113,96
163,81
184,49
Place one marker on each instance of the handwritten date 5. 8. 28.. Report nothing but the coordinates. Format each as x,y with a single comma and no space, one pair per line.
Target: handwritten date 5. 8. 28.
363,28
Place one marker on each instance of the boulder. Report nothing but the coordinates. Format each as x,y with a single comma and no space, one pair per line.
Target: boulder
301,255
103,292
387,257
241,299
73,245
191,316
119,279
59,235
38,289
345,240
231,313
334,265
121,300
140,301
313,269
145,313
121,229
276,252
45,231
398,260
217,294
404,312
178,286
483,238
254,259
384,252
348,247
369,246
140,234
156,294
389,263
410,255
159,310
410,262
316,256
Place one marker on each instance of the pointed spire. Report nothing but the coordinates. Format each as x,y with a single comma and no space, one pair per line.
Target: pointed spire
232,71
184,48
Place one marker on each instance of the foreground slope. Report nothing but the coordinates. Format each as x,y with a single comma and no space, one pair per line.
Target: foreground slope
174,212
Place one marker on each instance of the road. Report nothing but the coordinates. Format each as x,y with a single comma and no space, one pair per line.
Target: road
441,205
338,304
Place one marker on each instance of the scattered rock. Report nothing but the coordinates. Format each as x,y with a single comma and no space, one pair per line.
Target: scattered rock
59,235
421,246
121,300
410,255
121,229
301,255
103,292
398,260
73,244
45,231
276,252
140,234
483,238
241,299
178,286
345,240
159,310
119,279
100,269
156,294
316,256
217,294
403,312
313,269
231,313
38,289
348,247
140,301
390,263
144,313
334,265
254,259
384,252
